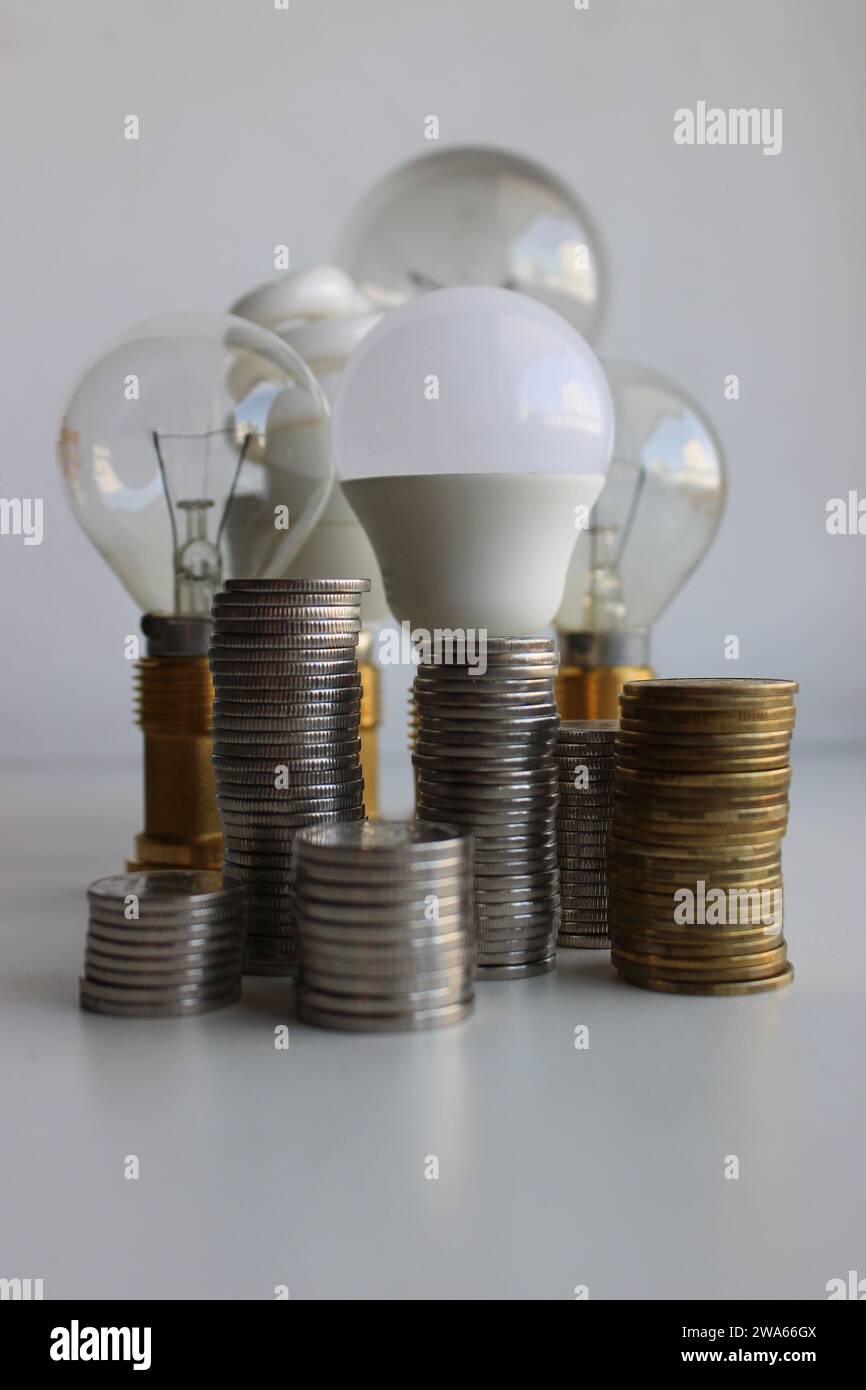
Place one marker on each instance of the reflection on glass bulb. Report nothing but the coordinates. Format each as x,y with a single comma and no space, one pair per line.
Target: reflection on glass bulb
476,216
184,461
658,511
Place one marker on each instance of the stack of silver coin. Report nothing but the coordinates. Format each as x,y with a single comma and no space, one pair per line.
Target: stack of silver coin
484,761
585,758
285,734
163,942
384,923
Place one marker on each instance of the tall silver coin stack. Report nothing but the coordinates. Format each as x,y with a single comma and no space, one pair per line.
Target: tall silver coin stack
384,922
585,758
285,734
163,942
484,761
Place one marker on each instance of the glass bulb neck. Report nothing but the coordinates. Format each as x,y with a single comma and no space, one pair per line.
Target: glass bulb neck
592,649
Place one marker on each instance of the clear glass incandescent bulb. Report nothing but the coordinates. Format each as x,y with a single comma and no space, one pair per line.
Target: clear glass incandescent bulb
472,215
321,314
654,520
470,427
185,461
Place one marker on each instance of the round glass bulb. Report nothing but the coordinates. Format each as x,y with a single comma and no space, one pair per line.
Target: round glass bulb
471,428
194,449
657,514
476,216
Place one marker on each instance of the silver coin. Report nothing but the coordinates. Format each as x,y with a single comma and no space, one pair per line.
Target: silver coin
275,728
509,937
496,687
477,774
410,839
589,729
384,1005
166,889
489,924
234,796
350,936
516,972
283,827
405,923
152,994
450,895
277,606
141,976
301,743
414,1021
348,704
204,918
298,789
265,797
325,669
573,941
94,1002
383,957
326,768
116,943
298,585
430,986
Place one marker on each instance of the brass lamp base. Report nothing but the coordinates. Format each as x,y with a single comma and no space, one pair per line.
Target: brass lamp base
369,724
594,693
594,669
175,702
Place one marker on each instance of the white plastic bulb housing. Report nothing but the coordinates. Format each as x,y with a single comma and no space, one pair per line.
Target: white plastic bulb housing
657,514
474,215
183,458
472,429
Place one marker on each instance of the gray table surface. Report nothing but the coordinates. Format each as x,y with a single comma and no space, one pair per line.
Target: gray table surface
558,1167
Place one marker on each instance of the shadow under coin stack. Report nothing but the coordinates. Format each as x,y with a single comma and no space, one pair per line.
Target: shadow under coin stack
285,735
384,923
484,762
584,756
694,857
164,942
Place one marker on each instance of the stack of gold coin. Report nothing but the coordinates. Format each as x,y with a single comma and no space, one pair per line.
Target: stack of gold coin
700,807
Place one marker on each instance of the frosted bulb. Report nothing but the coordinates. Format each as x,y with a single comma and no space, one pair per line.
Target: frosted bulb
476,216
183,459
658,512
471,428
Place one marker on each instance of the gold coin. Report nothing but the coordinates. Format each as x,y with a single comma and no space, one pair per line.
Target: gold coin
726,966
664,762
716,810
736,856
691,723
699,935
663,895
687,948
732,781
656,888
745,740
722,687
729,987
633,837
636,922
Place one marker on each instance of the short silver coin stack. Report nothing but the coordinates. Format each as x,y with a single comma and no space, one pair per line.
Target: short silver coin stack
484,761
384,923
285,736
162,943
585,759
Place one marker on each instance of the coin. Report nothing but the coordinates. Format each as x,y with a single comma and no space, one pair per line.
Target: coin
516,972
779,981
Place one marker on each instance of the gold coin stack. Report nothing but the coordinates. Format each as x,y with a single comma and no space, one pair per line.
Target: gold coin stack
700,807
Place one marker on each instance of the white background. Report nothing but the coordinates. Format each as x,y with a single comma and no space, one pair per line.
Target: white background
261,127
